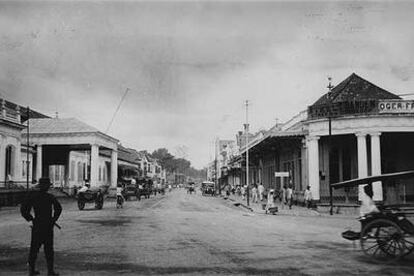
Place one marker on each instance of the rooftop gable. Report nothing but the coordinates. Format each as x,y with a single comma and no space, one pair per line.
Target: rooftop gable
355,88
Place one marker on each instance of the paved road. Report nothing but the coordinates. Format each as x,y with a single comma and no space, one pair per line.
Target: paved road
178,234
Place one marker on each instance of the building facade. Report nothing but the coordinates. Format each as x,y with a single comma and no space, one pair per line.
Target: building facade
355,130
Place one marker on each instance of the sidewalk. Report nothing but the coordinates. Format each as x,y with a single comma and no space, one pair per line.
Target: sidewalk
283,209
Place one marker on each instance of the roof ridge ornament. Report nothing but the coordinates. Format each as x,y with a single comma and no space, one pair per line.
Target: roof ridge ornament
330,86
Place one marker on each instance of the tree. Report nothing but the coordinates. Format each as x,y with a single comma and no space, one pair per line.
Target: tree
178,165
164,157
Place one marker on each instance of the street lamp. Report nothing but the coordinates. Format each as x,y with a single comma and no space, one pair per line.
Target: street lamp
246,129
330,86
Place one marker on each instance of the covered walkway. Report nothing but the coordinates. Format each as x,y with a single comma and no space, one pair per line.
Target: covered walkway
55,138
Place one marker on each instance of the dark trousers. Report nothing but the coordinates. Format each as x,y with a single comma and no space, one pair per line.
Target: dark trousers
41,236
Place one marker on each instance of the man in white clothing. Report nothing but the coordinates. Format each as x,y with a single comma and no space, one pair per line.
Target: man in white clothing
367,204
260,189
84,187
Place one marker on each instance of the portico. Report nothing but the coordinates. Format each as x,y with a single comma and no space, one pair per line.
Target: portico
56,138
361,138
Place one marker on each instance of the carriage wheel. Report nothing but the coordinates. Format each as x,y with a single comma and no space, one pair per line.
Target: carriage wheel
408,242
81,205
383,241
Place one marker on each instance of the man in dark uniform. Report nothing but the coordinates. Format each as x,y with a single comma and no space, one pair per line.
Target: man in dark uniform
43,223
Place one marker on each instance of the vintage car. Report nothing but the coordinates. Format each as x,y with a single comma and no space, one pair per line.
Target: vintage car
131,190
208,188
93,195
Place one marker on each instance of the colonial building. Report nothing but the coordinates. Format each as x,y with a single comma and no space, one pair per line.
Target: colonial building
70,151
356,129
13,148
225,150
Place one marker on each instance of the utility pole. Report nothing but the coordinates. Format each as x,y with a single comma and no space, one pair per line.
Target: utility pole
215,164
330,86
27,149
116,111
246,129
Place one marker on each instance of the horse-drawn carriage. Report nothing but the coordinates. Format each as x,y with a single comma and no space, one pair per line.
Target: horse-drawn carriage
190,188
145,187
92,195
387,234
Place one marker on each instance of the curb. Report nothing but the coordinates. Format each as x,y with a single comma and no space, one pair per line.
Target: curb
238,204
244,206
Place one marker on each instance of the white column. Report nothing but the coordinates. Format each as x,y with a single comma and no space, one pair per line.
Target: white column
313,166
362,159
376,165
39,162
17,171
2,160
94,164
114,168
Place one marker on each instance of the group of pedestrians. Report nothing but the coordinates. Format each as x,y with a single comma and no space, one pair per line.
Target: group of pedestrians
285,195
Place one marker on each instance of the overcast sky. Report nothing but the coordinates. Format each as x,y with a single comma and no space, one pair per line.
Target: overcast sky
191,65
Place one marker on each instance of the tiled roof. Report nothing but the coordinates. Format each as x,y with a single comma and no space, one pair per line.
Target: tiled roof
59,125
124,154
355,88
127,155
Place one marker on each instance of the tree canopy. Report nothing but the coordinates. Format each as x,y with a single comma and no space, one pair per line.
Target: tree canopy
178,165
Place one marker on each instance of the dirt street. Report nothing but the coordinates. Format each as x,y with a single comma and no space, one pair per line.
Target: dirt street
178,234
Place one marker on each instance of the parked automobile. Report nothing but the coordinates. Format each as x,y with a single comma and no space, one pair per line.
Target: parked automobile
131,190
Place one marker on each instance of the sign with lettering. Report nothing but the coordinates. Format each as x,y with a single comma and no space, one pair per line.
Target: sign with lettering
396,106
281,174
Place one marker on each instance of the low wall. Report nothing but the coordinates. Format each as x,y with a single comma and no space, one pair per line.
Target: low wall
11,197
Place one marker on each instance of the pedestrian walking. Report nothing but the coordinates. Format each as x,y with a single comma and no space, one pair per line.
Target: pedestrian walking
227,189
43,222
254,194
283,197
243,192
270,200
289,196
119,196
260,189
308,197
238,190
